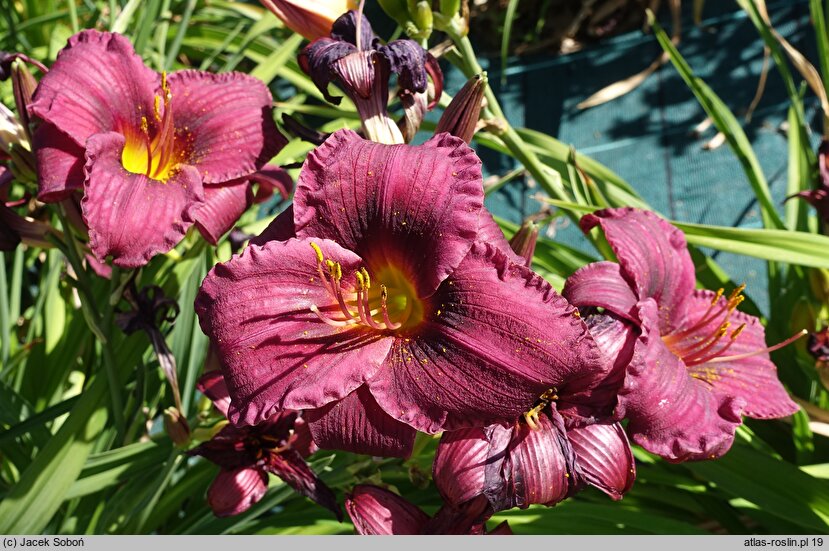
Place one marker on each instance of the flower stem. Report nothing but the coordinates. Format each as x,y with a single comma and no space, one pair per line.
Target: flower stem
94,321
502,128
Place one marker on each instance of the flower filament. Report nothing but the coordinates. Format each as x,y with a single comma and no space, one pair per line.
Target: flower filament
695,349
366,304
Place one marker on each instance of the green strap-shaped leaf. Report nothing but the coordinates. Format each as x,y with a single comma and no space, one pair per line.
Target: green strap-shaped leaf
775,486
727,123
31,502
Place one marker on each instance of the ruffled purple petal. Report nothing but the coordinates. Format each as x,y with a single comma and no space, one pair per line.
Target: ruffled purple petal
60,164
357,424
375,511
234,491
131,216
653,256
295,472
276,353
601,284
97,84
416,206
281,229
226,121
671,413
490,232
222,207
752,379
604,458
496,338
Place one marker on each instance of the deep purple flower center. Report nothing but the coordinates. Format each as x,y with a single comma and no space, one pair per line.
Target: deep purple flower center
152,149
388,302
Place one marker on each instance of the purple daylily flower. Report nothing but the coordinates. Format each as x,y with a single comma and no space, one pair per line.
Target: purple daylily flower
247,454
378,512
152,153
384,303
696,363
354,57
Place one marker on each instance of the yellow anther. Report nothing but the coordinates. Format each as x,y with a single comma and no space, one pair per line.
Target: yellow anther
384,293
157,108
145,125
736,292
334,269
164,85
361,282
317,250
366,277
736,301
736,332
718,296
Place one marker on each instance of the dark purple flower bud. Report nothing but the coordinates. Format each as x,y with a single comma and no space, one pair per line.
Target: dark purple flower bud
461,116
375,511
523,242
23,86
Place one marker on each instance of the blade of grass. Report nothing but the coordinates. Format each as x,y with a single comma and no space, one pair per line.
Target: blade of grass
727,123
509,19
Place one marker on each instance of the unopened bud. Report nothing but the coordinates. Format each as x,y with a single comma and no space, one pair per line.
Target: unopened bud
421,15
23,86
175,424
396,9
462,113
450,8
523,242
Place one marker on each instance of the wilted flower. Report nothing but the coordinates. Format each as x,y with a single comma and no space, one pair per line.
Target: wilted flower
310,18
354,57
697,363
375,511
390,305
247,454
152,153
539,461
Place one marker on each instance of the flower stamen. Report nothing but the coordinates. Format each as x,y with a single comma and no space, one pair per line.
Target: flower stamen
531,417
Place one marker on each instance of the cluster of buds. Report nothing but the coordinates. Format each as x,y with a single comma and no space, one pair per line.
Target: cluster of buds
420,17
